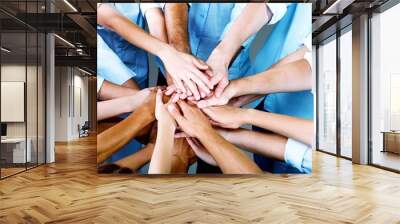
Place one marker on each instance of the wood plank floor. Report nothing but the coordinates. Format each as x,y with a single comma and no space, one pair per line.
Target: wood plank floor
70,191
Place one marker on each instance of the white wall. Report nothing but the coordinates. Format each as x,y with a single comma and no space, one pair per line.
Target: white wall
70,83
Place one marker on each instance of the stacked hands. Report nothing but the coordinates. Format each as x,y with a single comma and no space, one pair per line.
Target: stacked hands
197,104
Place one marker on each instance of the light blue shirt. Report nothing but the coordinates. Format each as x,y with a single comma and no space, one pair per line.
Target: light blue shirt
109,65
134,58
286,37
207,24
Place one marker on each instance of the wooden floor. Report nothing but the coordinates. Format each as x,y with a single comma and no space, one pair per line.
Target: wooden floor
70,191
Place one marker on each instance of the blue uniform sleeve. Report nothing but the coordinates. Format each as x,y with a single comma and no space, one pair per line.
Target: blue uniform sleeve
110,66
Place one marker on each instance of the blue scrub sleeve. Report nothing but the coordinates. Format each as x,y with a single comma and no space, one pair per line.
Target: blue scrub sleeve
110,66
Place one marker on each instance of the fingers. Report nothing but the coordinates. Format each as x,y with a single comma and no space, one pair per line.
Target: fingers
159,96
179,85
192,87
221,86
174,111
208,112
170,90
181,135
208,102
200,84
184,107
209,73
200,64
175,97
192,144
202,79
216,78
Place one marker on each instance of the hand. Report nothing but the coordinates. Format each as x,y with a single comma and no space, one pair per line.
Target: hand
226,116
227,94
219,67
186,72
161,112
243,100
193,122
201,152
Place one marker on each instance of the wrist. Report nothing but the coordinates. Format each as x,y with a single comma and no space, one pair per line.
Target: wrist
247,116
233,89
164,51
205,133
166,126
227,51
221,55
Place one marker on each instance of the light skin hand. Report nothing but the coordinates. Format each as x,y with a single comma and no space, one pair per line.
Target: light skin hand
192,121
227,94
187,71
219,68
226,116
161,112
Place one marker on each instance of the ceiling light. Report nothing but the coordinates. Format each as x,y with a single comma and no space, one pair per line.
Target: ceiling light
84,71
70,5
65,41
5,50
337,7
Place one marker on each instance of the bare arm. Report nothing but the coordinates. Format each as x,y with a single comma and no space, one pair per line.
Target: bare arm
225,153
108,17
156,23
294,76
290,127
253,17
138,159
176,19
120,134
161,159
293,67
195,124
184,68
124,100
270,145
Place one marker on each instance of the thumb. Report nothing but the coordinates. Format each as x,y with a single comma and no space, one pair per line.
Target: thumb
207,102
200,64
159,96
221,86
208,112
173,110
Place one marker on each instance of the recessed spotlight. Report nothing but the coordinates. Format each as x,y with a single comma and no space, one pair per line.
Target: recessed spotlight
5,50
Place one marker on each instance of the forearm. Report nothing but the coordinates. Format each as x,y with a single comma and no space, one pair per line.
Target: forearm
176,20
251,19
291,127
270,145
161,159
120,134
182,156
291,77
229,158
156,23
110,18
115,107
138,159
109,91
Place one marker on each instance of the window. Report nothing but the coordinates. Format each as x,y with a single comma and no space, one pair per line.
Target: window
385,89
346,93
327,96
